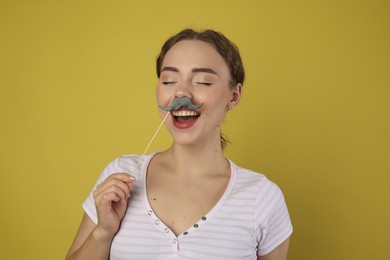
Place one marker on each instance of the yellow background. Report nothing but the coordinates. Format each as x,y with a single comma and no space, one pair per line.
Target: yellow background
77,90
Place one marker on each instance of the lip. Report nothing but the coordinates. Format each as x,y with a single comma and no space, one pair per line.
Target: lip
184,125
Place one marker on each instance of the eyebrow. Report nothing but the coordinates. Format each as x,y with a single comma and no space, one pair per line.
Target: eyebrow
194,70
169,69
206,70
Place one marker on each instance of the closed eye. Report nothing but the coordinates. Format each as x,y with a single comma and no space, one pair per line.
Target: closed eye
168,82
204,83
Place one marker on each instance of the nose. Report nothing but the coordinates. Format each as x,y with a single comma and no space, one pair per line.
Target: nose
183,90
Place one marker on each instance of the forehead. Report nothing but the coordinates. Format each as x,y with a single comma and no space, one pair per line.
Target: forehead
195,53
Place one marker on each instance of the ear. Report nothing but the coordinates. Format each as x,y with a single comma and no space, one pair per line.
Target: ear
235,96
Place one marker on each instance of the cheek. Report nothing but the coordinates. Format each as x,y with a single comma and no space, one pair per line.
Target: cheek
218,99
161,97
216,108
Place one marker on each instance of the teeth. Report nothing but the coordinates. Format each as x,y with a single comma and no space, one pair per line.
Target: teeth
184,113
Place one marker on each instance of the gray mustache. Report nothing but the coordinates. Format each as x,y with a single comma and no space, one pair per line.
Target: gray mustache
181,102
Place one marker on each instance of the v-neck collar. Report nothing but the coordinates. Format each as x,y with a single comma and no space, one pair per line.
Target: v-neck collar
203,220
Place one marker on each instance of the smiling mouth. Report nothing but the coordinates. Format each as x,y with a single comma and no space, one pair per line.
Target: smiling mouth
184,116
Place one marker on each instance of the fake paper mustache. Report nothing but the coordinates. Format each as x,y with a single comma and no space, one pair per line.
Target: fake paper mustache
181,102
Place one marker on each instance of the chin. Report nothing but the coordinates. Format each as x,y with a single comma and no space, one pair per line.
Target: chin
184,139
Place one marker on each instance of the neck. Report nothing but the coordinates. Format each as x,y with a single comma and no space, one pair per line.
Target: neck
197,160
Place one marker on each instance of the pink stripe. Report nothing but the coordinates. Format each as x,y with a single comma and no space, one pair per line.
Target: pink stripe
235,219
136,214
136,199
281,237
138,207
149,229
242,199
220,238
239,213
279,227
219,246
212,232
245,192
136,221
267,200
240,205
271,199
208,253
264,196
250,192
137,245
138,237
127,253
231,225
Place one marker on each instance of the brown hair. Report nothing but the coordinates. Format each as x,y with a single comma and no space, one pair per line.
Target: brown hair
227,49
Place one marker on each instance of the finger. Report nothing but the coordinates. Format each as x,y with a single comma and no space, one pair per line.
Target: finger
124,183
119,188
113,181
107,198
106,202
122,176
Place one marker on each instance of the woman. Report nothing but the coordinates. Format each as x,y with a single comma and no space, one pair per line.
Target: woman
188,202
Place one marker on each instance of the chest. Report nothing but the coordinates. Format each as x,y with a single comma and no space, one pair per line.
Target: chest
226,233
180,203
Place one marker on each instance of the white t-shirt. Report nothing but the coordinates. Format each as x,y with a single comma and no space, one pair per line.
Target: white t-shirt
250,219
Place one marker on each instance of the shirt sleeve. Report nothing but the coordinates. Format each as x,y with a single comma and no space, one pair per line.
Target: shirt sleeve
273,224
89,204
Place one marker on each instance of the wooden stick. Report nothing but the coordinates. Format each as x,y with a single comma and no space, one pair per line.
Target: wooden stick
150,142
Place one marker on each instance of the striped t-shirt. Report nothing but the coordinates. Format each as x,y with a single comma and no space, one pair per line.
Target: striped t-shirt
249,220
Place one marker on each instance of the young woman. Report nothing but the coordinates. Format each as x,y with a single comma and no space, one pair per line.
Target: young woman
189,201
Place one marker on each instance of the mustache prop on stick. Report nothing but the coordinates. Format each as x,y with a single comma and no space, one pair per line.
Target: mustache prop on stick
181,102
176,104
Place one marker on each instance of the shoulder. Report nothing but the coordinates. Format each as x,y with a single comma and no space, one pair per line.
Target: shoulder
128,161
265,191
124,164
251,179
244,173
120,162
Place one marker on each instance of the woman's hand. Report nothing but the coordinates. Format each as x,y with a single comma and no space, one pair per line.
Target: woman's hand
111,202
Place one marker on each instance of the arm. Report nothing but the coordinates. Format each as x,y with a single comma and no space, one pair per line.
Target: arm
90,242
279,253
93,241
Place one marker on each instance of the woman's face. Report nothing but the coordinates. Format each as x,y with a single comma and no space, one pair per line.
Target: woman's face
194,69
